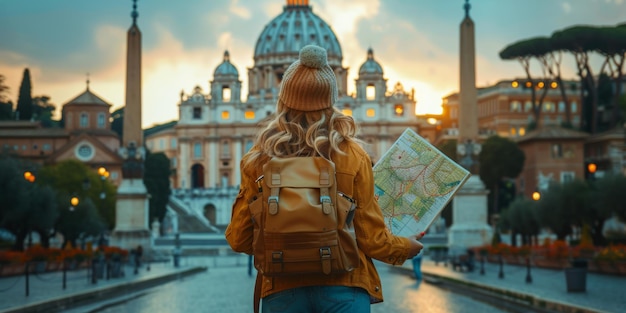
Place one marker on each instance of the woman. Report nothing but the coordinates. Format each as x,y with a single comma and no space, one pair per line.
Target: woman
307,124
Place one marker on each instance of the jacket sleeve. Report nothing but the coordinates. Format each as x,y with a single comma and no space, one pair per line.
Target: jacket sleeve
239,232
373,237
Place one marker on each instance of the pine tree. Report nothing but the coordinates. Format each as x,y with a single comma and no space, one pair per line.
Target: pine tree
25,99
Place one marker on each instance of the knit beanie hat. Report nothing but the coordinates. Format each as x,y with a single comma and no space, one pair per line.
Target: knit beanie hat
309,83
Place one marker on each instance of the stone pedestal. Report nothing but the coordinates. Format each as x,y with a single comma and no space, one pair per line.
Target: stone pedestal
131,216
469,216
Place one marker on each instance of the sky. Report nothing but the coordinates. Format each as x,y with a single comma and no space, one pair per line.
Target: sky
64,42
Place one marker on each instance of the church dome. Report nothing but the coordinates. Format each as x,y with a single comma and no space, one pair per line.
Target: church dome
370,66
226,68
296,27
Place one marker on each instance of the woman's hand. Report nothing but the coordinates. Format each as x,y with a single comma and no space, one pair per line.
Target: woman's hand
416,246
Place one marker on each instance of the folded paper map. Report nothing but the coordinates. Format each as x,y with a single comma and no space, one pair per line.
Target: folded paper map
413,182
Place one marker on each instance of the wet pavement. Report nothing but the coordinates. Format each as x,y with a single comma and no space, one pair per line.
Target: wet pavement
222,284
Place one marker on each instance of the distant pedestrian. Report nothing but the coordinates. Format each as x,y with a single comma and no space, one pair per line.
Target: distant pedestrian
417,265
139,253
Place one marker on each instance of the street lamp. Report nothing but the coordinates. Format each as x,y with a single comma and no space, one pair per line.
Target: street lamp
104,174
536,195
73,202
29,176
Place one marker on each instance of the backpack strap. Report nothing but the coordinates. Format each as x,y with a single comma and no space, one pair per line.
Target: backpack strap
325,199
272,200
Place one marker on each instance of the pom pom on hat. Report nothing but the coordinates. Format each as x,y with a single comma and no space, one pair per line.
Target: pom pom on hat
313,56
309,84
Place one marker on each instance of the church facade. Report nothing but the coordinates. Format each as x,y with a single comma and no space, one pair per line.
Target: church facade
216,128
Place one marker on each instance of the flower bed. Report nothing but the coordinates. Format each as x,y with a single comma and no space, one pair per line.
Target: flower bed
559,255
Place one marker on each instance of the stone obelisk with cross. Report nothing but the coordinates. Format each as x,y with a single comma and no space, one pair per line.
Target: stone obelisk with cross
132,207
469,216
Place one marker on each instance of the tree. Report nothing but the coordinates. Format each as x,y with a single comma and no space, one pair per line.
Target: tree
157,181
520,218
117,124
25,206
609,197
43,110
500,158
524,51
24,108
565,205
72,178
6,106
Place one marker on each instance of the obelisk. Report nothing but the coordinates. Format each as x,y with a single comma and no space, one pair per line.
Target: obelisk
132,206
469,206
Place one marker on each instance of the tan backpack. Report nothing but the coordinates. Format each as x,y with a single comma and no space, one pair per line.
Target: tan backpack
302,224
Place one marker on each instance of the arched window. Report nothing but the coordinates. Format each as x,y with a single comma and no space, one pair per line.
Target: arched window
370,92
197,176
101,120
84,120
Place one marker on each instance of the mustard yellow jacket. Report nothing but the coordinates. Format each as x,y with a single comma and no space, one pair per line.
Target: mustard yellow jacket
355,179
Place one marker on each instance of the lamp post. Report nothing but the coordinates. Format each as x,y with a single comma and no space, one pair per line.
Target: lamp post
29,177
74,202
104,174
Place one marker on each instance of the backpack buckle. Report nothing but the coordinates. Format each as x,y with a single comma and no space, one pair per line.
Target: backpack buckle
326,204
325,257
272,202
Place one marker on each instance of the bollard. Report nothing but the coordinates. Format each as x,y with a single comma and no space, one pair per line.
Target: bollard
501,273
482,265
64,274
26,276
529,278
93,272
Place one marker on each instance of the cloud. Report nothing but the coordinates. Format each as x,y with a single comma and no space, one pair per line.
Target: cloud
567,8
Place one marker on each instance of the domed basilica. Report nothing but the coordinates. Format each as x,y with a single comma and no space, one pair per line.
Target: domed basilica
217,128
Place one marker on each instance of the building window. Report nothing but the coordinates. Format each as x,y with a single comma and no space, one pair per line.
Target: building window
567,177
370,92
370,112
346,111
173,143
249,115
522,131
398,110
174,162
226,93
225,115
225,149
548,107
557,151
561,106
197,113
45,147
84,120
197,150
528,106
162,144
101,120
574,107
513,131
516,106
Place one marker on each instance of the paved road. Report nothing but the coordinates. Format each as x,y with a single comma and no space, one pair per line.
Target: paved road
226,287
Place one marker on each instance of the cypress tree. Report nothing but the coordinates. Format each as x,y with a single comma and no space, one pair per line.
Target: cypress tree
25,99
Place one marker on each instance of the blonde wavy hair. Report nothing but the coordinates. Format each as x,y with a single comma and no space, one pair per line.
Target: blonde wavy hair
293,133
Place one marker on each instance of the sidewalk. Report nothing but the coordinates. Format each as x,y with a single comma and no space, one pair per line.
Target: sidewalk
46,293
604,293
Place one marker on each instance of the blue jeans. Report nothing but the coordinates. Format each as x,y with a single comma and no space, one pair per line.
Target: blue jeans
318,299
